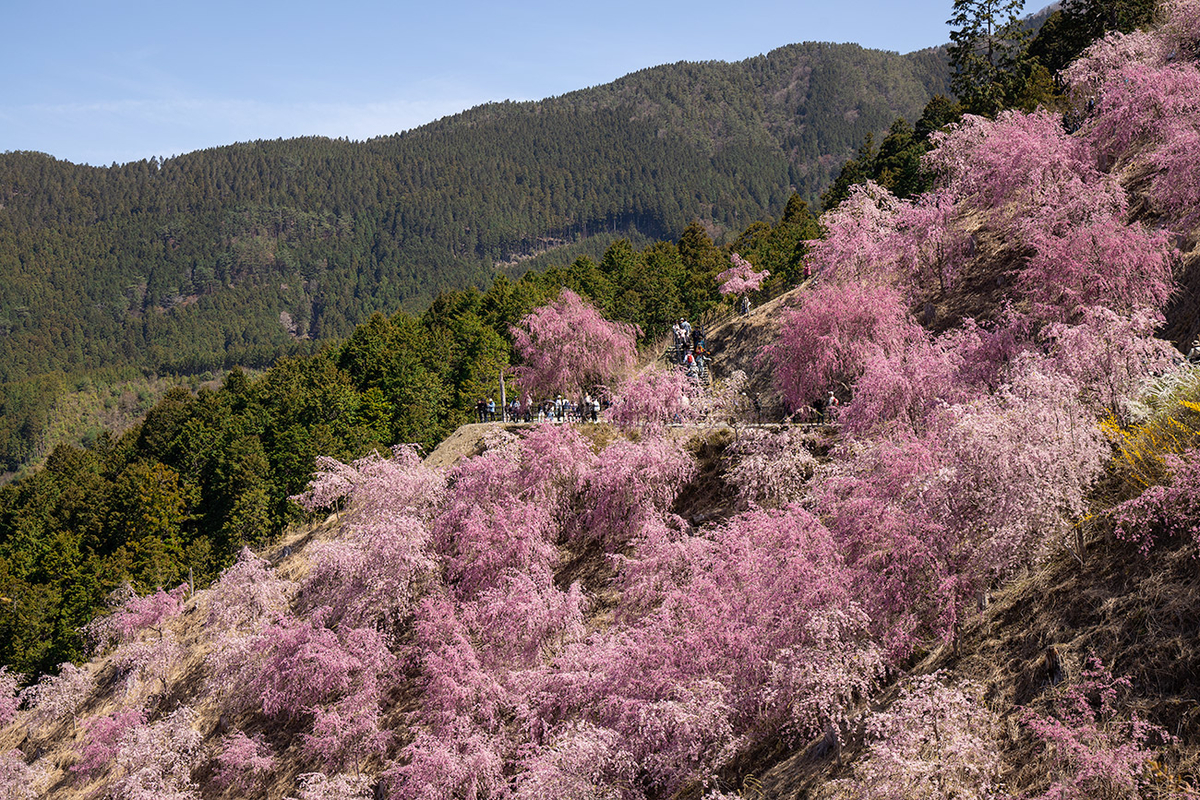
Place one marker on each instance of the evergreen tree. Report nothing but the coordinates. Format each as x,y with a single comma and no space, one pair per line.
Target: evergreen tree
986,43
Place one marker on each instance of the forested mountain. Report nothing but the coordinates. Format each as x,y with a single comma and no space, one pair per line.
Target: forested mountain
239,254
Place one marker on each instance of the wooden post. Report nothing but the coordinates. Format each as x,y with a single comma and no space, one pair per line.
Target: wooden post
503,398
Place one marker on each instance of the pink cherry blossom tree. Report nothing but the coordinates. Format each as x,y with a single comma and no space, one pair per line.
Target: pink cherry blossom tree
18,780
654,398
1095,746
631,484
133,614
246,596
157,760
10,698
567,346
56,697
771,469
243,762
827,341
319,786
858,237
103,737
305,665
935,741
741,278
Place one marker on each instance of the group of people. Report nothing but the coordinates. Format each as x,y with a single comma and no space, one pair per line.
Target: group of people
559,409
689,351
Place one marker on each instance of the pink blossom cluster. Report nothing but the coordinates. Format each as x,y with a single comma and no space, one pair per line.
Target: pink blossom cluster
1165,510
132,614
935,741
1095,747
741,277
243,761
771,469
58,696
1139,94
18,780
656,397
567,346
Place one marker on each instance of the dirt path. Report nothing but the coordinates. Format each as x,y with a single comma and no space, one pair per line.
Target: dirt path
737,342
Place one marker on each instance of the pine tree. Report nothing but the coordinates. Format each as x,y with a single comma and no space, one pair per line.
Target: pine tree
987,40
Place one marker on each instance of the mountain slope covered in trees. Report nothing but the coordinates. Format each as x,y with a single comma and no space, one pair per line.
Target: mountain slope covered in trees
239,254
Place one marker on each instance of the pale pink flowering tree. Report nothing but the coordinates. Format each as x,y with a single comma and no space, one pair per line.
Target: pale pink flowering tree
1012,165
567,346
305,665
654,398
319,786
372,574
10,699
243,762
459,692
146,659
1109,355
771,469
1137,100
813,684
246,596
330,487
902,386
883,501
103,737
686,674
1087,74
1175,187
741,278
1166,510
466,765
133,614
858,237
376,485
507,508
1181,25
935,513
1133,88
632,483
523,618
55,697
460,746
829,339
18,780
580,761
231,665
155,761
931,245
1098,261
139,656
935,741
346,733
1025,460
1096,750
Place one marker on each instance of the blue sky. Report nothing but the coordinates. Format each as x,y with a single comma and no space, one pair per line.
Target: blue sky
97,82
